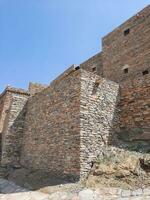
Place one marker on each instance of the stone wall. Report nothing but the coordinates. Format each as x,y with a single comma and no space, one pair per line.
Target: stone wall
97,113
2,99
126,50
36,87
13,125
94,64
61,128
135,102
134,114
68,122
5,101
52,133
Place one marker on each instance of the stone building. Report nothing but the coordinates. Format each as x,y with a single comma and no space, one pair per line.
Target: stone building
61,128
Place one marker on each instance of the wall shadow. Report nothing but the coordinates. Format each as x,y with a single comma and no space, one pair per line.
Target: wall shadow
35,180
16,173
135,138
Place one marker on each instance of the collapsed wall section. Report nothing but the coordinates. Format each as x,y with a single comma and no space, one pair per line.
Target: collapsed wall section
99,98
51,140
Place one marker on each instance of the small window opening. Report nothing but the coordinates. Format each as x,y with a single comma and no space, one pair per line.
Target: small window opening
95,88
77,67
126,70
94,69
126,32
145,72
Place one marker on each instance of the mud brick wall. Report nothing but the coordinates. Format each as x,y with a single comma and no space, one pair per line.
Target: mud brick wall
122,50
52,133
97,112
94,64
13,126
36,87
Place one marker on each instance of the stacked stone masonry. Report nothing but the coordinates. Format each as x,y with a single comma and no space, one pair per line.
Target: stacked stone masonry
98,99
51,139
94,64
13,124
35,88
70,126
131,51
135,102
61,128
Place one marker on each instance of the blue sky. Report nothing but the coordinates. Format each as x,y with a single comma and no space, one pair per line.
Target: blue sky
39,39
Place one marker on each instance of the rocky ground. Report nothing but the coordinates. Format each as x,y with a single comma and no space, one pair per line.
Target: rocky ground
117,174
120,168
10,191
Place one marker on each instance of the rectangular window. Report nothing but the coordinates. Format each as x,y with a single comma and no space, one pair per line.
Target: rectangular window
126,32
126,70
94,69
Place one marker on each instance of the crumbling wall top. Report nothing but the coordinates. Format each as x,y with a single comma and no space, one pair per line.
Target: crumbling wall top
35,88
14,90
